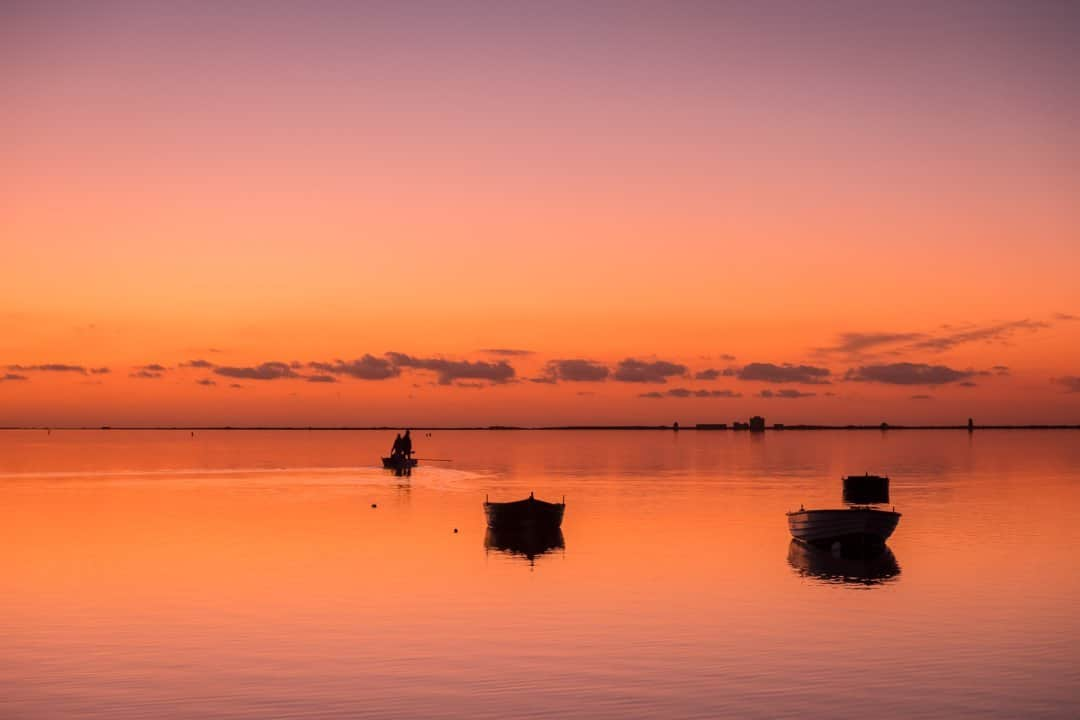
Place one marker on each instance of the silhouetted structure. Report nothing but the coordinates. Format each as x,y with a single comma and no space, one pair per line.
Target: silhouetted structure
740,425
971,425
757,424
778,426
675,426
866,489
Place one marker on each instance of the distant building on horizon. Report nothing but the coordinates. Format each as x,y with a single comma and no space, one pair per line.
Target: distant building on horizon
757,424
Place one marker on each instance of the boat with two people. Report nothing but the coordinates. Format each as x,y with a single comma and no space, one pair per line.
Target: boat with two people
401,459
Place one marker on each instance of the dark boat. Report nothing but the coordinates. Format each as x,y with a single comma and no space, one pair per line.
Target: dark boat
854,526
399,463
865,489
524,514
873,568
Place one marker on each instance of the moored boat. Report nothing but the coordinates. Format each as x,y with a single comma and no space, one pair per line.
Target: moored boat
527,513
863,526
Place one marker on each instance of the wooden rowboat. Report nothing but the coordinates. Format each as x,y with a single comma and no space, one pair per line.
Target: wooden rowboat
524,514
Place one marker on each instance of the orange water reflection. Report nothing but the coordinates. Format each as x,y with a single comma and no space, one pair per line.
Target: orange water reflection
239,573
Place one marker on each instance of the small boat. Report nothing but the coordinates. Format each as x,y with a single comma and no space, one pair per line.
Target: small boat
856,526
527,513
399,463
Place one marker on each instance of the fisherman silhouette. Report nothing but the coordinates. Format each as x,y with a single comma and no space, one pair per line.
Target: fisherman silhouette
406,445
397,449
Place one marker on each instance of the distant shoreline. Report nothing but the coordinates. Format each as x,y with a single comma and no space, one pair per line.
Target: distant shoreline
667,428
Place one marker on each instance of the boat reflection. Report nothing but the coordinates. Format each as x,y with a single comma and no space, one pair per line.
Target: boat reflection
843,567
527,544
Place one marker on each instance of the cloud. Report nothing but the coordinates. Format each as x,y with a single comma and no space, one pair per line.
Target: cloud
367,367
12,377
507,352
99,371
906,373
1071,383
1001,369
785,394
710,374
786,373
153,371
449,371
322,379
204,364
205,381
545,379
922,397
1001,332
49,367
967,384
576,370
1065,316
851,343
718,394
681,392
264,371
639,371
237,386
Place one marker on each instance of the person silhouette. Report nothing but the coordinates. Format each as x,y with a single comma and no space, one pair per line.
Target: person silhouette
406,445
396,450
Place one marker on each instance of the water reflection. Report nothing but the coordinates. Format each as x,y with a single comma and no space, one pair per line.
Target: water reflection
527,544
843,567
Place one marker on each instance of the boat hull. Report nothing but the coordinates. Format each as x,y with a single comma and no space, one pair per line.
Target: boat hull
398,463
850,526
524,514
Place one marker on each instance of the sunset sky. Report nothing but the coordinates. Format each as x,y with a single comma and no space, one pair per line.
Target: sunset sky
368,213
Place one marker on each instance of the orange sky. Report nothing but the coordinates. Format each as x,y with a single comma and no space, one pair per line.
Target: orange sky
684,185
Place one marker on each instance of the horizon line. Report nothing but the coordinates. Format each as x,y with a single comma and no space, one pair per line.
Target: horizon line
700,427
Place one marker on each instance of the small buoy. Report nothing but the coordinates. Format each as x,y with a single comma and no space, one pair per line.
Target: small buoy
374,505
455,531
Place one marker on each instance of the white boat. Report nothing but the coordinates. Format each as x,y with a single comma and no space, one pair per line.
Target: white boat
848,526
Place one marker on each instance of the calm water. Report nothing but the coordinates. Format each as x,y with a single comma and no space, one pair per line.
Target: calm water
246,574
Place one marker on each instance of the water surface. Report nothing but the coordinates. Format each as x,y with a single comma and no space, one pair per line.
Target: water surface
156,574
